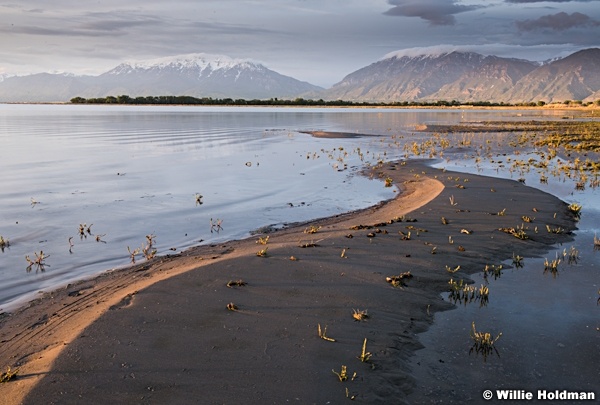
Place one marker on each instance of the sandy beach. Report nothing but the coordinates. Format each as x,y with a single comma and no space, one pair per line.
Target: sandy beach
161,331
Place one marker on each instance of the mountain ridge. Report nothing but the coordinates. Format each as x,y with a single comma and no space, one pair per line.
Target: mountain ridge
401,76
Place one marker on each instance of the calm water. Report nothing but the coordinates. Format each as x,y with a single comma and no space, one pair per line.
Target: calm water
134,171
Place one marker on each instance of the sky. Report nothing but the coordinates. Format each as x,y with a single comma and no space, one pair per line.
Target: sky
318,41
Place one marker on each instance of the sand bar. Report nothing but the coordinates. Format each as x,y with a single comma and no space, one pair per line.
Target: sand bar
160,332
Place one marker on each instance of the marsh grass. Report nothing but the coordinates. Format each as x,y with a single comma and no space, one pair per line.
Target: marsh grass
484,342
9,375
552,266
262,252
323,333
365,356
494,270
517,261
465,293
236,283
4,243
399,280
575,209
39,262
359,315
342,374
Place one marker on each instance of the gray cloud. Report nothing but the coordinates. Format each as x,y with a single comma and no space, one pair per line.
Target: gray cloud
436,12
559,22
547,1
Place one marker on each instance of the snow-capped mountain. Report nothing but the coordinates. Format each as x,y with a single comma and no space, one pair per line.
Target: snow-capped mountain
469,76
197,75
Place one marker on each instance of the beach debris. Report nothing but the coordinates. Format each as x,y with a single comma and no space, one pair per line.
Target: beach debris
342,375
349,236
9,375
343,255
527,219
371,235
466,231
452,201
461,248
236,283
99,238
39,261
596,242
294,258
365,356
348,395
34,202
198,198
71,244
232,307
400,279
148,250
404,236
389,182
359,315
323,333
444,221
248,164
484,343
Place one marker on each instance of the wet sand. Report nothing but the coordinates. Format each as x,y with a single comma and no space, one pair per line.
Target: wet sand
160,332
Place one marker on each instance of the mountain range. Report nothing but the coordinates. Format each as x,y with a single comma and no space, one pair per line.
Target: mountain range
454,75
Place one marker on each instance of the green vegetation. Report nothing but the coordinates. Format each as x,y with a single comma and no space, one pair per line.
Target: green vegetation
189,100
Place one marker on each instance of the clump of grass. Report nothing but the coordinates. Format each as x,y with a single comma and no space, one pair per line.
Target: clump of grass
323,333
400,279
312,229
557,230
465,293
552,266
148,250
263,241
232,307
575,209
444,221
4,243
491,269
236,283
359,315
198,198
343,374
9,375
596,242
365,356
389,182
216,226
572,256
517,261
39,262
484,342
518,232
133,254
262,252
527,219
452,270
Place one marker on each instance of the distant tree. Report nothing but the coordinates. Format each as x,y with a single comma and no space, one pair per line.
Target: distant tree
541,103
123,99
81,100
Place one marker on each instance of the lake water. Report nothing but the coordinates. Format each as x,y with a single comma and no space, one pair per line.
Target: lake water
134,171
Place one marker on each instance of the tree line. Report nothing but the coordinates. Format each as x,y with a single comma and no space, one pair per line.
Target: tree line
189,100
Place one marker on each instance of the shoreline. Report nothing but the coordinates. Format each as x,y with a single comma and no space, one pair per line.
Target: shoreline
283,302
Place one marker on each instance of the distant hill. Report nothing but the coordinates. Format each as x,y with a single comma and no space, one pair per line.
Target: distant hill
197,75
469,76
400,77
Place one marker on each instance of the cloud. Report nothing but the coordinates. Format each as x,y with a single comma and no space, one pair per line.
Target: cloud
547,1
558,22
436,12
